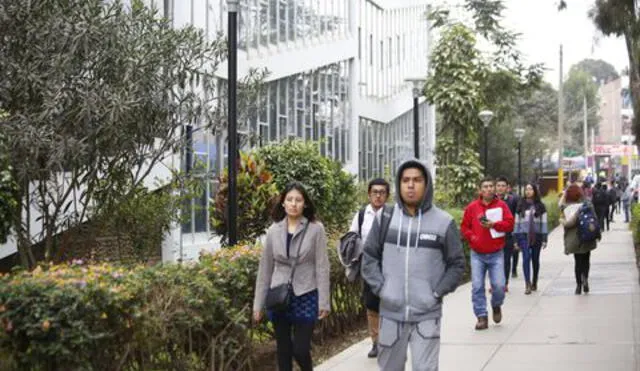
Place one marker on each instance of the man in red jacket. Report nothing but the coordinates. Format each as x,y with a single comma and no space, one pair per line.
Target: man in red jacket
484,225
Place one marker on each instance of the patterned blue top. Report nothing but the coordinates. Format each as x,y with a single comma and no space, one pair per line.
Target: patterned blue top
303,309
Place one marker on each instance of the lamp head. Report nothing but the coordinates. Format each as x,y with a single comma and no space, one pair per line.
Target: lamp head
519,133
486,117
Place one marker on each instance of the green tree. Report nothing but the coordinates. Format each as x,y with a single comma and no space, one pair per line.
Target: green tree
463,81
599,69
580,85
621,18
96,101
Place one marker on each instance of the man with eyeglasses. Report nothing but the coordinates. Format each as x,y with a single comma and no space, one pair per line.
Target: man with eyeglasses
362,222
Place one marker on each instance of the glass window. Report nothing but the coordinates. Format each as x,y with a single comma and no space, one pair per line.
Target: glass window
273,21
359,43
264,22
371,49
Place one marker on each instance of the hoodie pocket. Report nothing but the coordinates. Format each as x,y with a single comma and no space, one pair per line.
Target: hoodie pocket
421,297
391,296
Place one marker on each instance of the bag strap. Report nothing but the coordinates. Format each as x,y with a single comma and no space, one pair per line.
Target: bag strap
360,220
295,263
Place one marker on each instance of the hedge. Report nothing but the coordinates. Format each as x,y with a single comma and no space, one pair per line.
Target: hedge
190,317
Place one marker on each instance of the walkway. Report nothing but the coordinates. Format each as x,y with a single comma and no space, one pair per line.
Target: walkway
552,330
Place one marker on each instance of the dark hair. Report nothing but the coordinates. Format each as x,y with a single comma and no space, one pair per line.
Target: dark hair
379,182
502,179
573,194
309,211
487,179
537,202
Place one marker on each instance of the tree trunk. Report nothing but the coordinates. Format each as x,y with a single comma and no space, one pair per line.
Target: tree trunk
23,230
633,51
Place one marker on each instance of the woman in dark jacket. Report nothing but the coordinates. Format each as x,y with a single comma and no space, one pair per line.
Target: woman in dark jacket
581,251
531,232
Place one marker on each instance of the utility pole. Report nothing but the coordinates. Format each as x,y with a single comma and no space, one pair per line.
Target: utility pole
232,135
560,129
584,130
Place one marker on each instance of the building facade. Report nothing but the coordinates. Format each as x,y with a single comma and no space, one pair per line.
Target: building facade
337,71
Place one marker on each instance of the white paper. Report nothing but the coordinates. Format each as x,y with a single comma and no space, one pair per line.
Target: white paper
571,210
495,215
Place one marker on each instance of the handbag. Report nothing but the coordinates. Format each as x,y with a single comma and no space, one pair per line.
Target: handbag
279,297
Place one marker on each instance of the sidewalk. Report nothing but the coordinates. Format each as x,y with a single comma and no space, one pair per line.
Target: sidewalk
551,330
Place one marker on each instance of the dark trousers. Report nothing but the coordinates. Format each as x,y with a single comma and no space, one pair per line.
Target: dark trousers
514,265
508,255
612,210
293,340
603,217
582,265
531,259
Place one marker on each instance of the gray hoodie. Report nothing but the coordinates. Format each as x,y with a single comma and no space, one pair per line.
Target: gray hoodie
411,275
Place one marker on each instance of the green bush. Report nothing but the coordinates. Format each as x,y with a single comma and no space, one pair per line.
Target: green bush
257,193
635,222
333,191
165,317
553,211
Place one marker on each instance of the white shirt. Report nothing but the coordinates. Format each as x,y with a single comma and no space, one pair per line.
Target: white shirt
367,221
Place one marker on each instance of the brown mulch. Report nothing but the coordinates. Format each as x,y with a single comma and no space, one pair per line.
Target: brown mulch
265,354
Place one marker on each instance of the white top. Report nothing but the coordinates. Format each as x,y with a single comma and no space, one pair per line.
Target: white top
367,221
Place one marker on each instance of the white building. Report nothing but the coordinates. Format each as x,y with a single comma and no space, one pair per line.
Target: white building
337,72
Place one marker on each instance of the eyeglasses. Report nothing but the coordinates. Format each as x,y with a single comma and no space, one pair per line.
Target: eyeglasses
379,193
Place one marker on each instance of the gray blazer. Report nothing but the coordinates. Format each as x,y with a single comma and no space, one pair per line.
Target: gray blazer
312,271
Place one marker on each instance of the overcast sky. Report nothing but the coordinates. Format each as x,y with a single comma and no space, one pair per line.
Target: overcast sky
543,29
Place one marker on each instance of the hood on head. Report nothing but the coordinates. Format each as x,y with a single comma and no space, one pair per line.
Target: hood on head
427,200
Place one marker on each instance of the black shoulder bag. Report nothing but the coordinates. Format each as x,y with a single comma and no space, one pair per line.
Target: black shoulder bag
279,297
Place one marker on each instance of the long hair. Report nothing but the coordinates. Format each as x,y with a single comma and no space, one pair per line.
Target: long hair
537,202
309,210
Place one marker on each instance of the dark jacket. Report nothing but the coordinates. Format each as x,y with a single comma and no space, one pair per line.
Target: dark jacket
417,261
512,201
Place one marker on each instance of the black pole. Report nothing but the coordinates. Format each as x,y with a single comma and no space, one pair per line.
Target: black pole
416,128
520,168
232,154
486,149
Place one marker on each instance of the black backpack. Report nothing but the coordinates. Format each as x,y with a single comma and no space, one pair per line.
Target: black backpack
600,198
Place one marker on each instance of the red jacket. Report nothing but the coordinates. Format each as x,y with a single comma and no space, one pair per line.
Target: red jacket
479,237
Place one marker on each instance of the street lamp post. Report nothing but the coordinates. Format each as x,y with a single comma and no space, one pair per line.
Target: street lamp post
519,133
418,86
232,206
485,117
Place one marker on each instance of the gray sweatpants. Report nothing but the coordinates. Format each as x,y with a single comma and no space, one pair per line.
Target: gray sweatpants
395,337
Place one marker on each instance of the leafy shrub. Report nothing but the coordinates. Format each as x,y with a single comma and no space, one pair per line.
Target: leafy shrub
635,222
256,194
553,211
328,185
344,198
165,317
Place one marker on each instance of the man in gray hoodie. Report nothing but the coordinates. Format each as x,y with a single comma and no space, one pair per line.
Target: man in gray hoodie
411,262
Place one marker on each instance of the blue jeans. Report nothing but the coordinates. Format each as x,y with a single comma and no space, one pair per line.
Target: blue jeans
530,257
481,264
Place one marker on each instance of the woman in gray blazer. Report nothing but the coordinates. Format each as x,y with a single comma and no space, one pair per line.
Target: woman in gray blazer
287,244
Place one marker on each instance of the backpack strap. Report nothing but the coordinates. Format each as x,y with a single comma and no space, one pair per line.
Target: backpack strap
361,219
